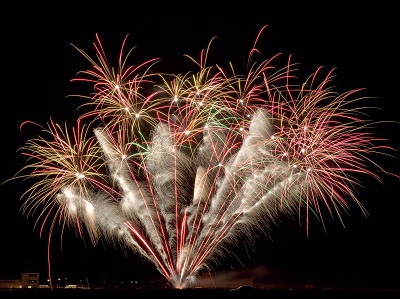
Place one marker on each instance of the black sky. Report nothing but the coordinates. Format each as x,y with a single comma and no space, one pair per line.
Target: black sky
361,42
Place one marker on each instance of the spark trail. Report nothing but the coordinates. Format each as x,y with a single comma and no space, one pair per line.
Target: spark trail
180,166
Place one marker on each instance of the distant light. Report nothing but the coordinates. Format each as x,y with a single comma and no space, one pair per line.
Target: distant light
123,157
117,86
137,115
187,132
176,99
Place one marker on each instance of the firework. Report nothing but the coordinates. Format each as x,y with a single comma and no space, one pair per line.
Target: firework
180,166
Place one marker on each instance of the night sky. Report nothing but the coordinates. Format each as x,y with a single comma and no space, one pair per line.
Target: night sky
38,62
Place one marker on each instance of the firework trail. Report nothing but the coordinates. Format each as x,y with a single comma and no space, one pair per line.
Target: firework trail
180,166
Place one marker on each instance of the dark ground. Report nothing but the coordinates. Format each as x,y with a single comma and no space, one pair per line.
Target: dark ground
201,293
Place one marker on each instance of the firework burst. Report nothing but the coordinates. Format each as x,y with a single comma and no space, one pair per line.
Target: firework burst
180,166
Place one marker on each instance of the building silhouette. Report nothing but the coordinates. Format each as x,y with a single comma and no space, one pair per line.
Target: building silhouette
28,280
